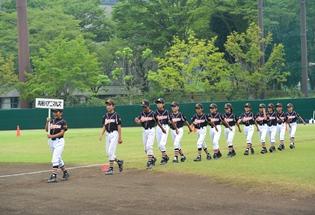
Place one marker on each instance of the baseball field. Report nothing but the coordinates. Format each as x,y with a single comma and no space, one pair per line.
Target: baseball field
278,183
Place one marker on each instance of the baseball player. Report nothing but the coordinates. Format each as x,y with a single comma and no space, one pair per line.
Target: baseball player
272,122
215,120
248,119
177,122
281,126
261,120
162,116
199,123
111,125
229,127
58,127
148,121
292,119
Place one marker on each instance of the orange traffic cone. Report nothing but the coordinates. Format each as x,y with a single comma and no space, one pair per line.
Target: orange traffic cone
18,131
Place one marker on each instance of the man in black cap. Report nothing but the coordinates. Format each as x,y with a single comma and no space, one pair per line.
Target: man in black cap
261,120
111,124
292,119
272,121
281,125
177,122
215,120
162,116
199,123
56,129
148,121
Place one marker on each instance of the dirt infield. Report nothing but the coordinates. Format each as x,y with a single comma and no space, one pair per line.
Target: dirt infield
89,191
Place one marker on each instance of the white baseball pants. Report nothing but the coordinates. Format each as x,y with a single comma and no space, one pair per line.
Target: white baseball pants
229,135
292,129
177,138
281,131
161,137
215,137
263,132
272,131
56,148
201,141
111,144
249,131
148,140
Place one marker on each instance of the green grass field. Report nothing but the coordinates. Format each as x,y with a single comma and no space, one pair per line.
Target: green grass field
291,169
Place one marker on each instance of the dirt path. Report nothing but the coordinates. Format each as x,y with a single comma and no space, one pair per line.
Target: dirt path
136,192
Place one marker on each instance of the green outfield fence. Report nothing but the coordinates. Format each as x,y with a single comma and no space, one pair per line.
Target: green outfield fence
90,117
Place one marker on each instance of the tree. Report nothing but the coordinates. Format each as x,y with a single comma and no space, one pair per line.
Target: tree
63,68
8,77
191,67
249,77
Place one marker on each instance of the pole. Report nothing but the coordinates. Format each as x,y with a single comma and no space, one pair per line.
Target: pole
24,52
304,64
261,28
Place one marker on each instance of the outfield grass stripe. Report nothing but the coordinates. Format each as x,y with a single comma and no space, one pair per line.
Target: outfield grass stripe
44,171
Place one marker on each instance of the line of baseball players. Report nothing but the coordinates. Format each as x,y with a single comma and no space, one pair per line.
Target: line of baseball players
268,121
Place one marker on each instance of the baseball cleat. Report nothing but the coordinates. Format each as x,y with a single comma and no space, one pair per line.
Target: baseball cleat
292,146
231,153
150,164
272,149
246,152
209,156
198,158
263,150
52,178
252,151
66,175
219,154
164,160
120,165
175,160
281,147
110,171
183,158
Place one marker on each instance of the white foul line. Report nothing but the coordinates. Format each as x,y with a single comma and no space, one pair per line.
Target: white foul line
43,171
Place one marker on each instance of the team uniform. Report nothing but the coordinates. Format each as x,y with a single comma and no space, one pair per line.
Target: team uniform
229,132
281,125
272,122
200,123
248,120
179,120
148,122
110,122
215,129
262,126
292,118
163,117
56,146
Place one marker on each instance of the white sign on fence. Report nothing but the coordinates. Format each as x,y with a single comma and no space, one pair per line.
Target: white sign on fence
49,103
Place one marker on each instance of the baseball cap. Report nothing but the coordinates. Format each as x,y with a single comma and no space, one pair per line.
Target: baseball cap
289,105
198,106
213,105
278,105
247,105
228,105
174,104
271,105
262,105
159,100
109,102
145,103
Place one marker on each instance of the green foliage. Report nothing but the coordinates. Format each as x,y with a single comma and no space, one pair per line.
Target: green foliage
63,68
8,77
250,77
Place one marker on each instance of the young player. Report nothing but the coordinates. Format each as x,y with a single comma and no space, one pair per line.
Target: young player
272,126
163,117
229,127
261,120
215,120
148,121
58,127
199,123
281,125
292,119
248,119
111,124
178,120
